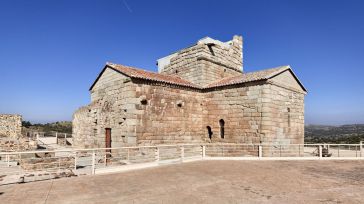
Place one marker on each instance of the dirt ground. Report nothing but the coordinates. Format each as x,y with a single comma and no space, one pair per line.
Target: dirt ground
206,182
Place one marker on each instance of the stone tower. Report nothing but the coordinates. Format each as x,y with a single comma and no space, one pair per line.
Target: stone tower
207,61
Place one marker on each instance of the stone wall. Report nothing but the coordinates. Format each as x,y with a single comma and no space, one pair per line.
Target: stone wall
138,112
83,127
240,108
8,144
113,106
10,125
47,163
257,113
207,61
170,114
284,111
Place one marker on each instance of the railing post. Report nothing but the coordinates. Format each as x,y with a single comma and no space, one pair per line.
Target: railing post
157,154
75,161
299,150
182,153
56,137
19,161
8,160
59,164
128,155
320,151
260,151
361,148
338,151
203,151
93,162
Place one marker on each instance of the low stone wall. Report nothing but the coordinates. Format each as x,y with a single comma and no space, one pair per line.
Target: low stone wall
64,141
47,163
21,144
126,156
34,176
283,151
10,125
232,150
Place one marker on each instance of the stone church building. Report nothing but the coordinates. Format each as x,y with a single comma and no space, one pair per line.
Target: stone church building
200,94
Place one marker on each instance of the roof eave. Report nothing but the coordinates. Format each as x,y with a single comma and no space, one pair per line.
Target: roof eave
300,83
98,77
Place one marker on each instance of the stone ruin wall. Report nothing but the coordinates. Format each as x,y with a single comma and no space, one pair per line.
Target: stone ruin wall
17,144
202,64
11,138
41,163
82,126
10,125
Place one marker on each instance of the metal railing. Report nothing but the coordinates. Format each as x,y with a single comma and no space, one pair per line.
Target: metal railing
53,136
35,134
38,165
50,138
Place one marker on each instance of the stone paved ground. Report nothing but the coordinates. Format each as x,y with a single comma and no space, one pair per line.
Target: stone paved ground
206,182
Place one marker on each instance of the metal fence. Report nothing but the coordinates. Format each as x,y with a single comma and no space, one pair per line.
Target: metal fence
47,139
36,134
39,165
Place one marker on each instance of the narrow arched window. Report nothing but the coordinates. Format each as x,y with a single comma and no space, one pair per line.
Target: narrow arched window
289,117
209,131
222,128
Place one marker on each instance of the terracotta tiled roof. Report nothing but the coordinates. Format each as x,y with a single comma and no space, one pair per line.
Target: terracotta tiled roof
249,77
142,74
172,79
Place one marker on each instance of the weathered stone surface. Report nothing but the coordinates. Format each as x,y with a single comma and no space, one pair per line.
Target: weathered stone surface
207,61
47,163
17,144
10,125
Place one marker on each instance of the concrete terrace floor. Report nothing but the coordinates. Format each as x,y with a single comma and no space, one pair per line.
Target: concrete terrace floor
205,182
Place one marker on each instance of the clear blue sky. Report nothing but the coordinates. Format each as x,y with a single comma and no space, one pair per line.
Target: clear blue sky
51,50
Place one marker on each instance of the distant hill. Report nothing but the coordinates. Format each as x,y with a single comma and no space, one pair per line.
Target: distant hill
344,134
62,126
334,134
